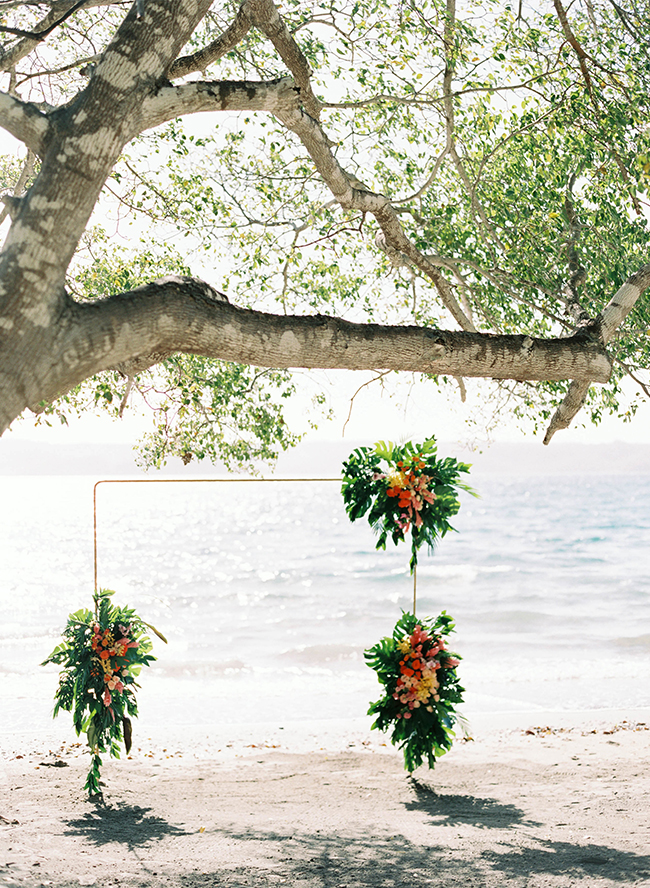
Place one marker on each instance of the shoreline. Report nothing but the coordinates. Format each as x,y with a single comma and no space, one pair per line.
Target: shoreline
335,730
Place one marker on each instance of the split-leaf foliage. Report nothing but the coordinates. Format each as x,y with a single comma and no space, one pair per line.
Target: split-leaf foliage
365,490
428,732
82,684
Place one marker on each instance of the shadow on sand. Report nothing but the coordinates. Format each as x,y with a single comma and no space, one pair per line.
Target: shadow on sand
126,824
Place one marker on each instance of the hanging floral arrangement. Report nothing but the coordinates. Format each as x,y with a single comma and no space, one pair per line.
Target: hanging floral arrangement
421,688
102,653
406,488
402,488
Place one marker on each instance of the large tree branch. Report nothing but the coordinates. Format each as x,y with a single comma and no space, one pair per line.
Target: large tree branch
267,18
25,122
609,320
211,53
143,326
570,406
191,98
85,139
143,49
622,303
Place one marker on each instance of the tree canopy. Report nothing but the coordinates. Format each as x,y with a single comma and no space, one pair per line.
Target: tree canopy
453,189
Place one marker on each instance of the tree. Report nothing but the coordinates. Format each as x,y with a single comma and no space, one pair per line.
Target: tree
410,166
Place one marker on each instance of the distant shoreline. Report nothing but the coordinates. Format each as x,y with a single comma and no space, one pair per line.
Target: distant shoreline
25,457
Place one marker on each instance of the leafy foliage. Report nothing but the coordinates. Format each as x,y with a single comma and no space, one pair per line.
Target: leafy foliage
421,688
401,488
201,409
510,170
511,140
102,653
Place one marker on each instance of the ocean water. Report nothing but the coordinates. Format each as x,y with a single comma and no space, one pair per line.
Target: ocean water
268,595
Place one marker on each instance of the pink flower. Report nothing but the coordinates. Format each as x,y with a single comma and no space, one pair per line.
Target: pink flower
107,698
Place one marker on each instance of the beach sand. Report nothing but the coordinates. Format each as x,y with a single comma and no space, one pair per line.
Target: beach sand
544,800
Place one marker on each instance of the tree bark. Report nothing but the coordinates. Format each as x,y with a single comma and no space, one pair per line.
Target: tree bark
144,326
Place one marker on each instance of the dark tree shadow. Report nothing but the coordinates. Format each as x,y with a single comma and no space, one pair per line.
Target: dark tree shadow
450,810
355,861
129,825
571,859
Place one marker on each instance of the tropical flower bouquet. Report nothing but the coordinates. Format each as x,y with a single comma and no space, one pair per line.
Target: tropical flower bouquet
421,688
406,488
403,488
102,653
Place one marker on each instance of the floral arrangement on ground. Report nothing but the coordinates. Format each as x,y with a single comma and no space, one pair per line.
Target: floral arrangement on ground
102,653
421,688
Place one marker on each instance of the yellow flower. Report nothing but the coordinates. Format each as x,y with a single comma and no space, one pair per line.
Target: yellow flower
396,479
404,645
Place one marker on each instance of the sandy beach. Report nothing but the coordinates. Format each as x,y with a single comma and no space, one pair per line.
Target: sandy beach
562,801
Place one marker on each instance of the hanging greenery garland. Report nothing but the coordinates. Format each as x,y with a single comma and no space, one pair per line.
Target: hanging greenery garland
102,653
403,487
406,488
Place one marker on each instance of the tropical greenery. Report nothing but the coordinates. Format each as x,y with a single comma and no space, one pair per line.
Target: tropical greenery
402,488
101,656
421,688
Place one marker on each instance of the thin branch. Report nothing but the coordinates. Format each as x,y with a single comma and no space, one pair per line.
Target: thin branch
267,18
636,35
429,182
60,11
47,26
88,60
639,382
577,273
448,41
439,100
576,46
368,382
125,396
